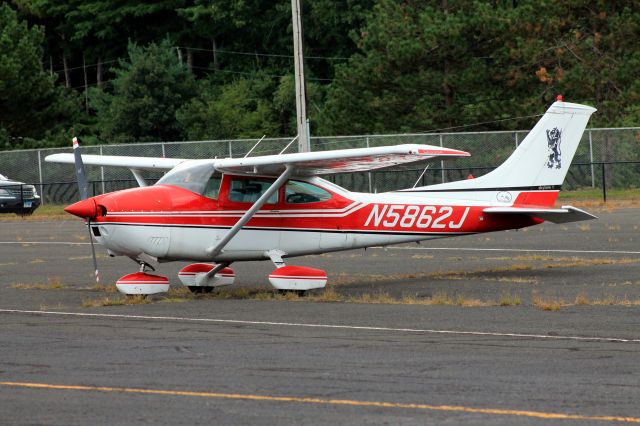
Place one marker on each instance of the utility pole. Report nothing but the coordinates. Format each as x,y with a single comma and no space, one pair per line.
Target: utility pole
301,100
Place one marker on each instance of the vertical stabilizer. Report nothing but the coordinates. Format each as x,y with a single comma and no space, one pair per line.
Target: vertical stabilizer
540,162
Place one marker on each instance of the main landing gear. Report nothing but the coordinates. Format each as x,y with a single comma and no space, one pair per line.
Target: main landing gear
204,277
294,278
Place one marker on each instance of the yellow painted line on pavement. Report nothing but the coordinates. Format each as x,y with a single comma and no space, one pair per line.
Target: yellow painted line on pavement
323,401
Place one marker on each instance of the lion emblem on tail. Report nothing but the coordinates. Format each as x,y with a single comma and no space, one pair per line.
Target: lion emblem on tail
553,141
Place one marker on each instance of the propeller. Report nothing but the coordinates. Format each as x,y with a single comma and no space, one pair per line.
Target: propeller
83,188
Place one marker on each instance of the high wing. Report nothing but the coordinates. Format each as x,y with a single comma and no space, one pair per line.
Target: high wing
136,163
338,161
303,164
564,214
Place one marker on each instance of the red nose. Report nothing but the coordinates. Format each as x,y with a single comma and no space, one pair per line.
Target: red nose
85,209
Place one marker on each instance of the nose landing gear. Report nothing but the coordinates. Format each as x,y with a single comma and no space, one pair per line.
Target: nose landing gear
142,283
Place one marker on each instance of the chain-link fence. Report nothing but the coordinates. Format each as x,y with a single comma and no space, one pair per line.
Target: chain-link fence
609,157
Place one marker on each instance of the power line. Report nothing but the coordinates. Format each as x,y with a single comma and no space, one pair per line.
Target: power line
268,55
88,65
253,74
483,123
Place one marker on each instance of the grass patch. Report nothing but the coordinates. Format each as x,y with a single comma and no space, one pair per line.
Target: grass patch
137,299
508,299
53,283
442,298
547,303
581,300
103,288
463,275
47,211
595,194
615,301
373,298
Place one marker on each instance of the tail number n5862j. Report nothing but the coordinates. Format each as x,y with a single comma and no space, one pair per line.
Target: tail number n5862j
408,216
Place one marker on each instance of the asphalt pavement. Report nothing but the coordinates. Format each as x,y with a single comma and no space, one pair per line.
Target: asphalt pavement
239,361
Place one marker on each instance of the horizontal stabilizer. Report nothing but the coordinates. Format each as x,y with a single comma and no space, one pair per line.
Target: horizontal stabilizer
565,214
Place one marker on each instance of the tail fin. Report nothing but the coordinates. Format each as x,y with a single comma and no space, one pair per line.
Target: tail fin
541,161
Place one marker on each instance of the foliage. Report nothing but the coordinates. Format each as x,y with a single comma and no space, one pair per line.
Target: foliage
148,90
29,101
372,66
235,110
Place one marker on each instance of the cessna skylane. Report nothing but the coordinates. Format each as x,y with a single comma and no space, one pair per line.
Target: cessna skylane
216,212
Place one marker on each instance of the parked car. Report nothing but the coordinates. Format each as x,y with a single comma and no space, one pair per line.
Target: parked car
17,197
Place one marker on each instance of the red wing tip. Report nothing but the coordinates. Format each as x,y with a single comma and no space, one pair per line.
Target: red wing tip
444,151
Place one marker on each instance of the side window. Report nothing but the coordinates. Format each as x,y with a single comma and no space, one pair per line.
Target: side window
249,190
212,188
297,192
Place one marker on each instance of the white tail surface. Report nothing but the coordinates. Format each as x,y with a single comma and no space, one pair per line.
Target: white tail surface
543,158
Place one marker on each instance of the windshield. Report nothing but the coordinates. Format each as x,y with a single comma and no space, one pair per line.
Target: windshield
193,178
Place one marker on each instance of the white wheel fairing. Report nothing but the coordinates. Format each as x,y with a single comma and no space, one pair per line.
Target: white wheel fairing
298,278
142,283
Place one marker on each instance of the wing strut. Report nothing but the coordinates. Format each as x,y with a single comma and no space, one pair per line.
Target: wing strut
138,175
213,251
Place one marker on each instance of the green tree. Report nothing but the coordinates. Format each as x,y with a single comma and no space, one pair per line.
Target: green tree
233,110
422,65
30,105
148,90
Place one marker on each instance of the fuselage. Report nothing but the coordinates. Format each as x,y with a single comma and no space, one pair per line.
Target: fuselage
183,219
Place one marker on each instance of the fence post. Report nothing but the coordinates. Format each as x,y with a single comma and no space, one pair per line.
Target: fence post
442,162
40,177
515,134
230,150
164,154
604,184
369,173
101,177
593,179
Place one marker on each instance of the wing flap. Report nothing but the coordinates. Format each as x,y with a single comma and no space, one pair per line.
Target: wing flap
564,214
137,163
338,161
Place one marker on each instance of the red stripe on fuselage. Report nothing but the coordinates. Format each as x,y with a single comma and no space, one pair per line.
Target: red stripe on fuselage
173,206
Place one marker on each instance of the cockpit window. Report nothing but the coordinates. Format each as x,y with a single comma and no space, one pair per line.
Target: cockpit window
298,192
212,189
194,178
249,190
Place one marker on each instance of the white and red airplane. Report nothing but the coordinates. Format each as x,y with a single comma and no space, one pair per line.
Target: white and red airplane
219,211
